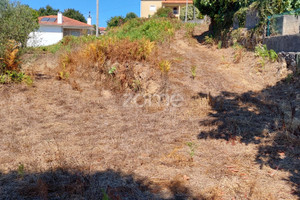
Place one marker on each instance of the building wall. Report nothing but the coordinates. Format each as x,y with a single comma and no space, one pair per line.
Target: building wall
291,25
46,35
146,6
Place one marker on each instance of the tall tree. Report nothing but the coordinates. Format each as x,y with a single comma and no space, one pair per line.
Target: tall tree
47,11
17,21
130,15
74,14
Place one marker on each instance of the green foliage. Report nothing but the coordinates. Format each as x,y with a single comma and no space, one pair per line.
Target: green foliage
240,15
264,53
105,196
154,29
164,12
192,148
74,14
222,12
70,12
17,21
208,40
191,13
193,71
119,20
115,21
68,43
220,45
15,77
130,15
112,70
48,10
21,171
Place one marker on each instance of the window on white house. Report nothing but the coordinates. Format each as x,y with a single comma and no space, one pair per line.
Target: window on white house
153,8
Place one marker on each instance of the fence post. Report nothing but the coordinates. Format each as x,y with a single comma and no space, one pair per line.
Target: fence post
268,26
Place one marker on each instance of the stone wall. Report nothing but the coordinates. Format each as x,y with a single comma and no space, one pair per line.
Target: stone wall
286,43
292,58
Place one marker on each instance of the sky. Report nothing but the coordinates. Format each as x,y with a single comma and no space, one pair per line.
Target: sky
107,8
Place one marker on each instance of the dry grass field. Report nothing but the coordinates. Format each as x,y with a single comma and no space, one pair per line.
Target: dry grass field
229,132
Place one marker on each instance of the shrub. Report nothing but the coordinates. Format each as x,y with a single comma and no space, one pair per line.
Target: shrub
154,29
263,52
208,40
17,21
94,56
130,15
10,57
194,71
14,77
191,14
164,66
238,52
164,12
115,21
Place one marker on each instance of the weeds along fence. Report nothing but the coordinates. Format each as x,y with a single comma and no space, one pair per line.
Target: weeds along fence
287,23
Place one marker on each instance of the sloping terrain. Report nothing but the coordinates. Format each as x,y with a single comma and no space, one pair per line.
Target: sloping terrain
219,135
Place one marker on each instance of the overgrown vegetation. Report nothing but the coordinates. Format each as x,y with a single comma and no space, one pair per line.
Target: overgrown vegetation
112,57
154,29
222,12
17,21
164,12
193,13
119,20
264,53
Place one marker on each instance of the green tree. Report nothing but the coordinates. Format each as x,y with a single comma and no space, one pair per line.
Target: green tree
130,15
47,11
164,12
74,14
17,21
115,21
222,12
190,13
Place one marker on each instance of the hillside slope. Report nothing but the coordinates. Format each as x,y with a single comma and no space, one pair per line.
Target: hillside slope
220,136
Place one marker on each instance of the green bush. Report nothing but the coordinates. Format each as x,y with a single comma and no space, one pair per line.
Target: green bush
130,15
191,13
164,12
14,77
154,29
115,21
263,52
17,21
208,40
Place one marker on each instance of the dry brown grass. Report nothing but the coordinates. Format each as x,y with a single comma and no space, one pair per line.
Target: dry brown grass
74,144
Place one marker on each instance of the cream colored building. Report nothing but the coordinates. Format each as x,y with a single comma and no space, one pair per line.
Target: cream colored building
149,7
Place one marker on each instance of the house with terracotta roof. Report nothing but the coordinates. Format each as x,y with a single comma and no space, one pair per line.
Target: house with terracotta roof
149,7
54,27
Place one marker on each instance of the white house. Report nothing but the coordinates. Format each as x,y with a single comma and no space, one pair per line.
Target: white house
53,28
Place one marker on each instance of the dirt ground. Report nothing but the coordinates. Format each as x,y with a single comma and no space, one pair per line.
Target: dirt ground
221,137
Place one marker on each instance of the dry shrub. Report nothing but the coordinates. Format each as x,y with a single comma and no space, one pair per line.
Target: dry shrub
10,59
109,59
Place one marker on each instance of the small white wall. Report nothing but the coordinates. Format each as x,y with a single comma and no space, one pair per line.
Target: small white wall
46,35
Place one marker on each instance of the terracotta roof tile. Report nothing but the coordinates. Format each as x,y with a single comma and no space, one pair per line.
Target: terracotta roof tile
176,1
66,22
